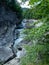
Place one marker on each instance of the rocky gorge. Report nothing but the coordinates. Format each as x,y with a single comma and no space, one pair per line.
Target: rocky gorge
11,37
24,32
8,33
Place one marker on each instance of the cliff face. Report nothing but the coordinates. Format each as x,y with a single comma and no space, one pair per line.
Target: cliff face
8,21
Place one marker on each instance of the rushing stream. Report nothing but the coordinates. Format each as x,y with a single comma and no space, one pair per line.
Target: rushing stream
18,41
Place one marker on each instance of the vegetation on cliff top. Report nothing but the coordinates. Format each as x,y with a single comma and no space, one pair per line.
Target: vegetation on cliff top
38,11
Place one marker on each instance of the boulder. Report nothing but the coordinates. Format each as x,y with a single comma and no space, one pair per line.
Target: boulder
5,53
28,23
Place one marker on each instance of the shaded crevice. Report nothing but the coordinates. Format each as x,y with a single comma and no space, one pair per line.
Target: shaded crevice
20,49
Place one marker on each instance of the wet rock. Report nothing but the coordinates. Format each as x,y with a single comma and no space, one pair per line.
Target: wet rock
20,52
19,40
28,23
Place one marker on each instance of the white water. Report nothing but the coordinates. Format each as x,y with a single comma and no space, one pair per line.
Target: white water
24,4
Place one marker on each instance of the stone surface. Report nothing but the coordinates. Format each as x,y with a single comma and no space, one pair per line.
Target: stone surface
21,53
6,36
13,62
28,23
8,20
16,60
5,53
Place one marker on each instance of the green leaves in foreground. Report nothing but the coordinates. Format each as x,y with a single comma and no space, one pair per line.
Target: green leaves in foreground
35,55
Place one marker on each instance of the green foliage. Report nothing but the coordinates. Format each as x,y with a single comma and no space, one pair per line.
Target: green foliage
34,1
39,11
38,51
34,55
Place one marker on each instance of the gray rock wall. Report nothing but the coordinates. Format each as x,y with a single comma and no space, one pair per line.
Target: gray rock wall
8,20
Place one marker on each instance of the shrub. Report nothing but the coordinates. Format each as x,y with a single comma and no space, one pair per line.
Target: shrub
39,11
